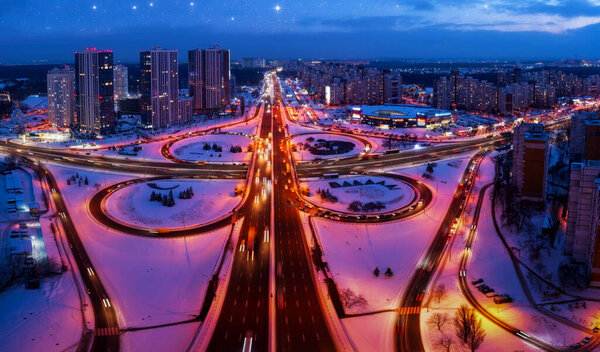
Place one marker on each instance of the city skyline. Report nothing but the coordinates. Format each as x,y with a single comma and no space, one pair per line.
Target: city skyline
499,29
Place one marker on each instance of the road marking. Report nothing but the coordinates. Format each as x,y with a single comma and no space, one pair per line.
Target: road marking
410,310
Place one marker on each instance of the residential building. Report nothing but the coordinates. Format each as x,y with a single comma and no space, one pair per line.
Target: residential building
94,91
530,161
392,88
121,81
61,96
582,239
159,86
585,137
209,79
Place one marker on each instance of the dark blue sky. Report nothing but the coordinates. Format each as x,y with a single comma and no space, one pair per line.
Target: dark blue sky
52,30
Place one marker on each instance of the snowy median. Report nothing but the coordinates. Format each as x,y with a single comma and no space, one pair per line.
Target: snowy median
359,194
172,203
213,148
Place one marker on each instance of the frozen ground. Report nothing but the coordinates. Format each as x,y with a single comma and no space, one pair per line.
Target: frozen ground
212,199
179,338
302,154
353,251
395,198
150,281
498,274
48,318
191,149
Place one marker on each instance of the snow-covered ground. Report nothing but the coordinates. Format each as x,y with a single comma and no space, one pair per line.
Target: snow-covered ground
303,154
48,318
179,338
192,149
212,199
395,198
353,251
150,281
499,274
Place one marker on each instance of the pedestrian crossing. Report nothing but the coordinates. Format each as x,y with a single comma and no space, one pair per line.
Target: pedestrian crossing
410,310
107,331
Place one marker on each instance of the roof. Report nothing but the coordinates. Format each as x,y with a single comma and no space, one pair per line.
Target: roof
402,111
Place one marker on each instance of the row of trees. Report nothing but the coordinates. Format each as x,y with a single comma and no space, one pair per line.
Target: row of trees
187,193
357,206
167,200
235,149
326,196
76,179
388,272
214,147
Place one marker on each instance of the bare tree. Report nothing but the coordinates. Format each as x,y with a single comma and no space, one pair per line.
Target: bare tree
440,292
444,343
438,320
468,327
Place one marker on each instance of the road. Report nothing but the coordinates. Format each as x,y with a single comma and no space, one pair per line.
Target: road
245,311
301,325
466,290
408,332
107,333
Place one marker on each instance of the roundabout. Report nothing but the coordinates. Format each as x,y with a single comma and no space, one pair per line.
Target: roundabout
368,198
317,146
210,148
185,206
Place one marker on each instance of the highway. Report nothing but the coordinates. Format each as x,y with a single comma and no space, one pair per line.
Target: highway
301,325
408,327
244,316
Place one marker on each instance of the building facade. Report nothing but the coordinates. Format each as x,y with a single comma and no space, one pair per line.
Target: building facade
121,81
159,87
530,161
584,139
94,91
582,237
61,96
209,79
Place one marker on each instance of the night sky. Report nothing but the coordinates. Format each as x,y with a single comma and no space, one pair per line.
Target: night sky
51,30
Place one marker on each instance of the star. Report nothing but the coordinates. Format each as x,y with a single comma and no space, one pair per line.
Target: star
134,7
151,4
191,4
94,7
277,8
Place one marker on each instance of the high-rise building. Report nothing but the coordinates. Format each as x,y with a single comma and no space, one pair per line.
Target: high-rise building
392,88
121,81
585,137
582,239
159,86
94,91
530,161
186,109
209,79
61,96
253,62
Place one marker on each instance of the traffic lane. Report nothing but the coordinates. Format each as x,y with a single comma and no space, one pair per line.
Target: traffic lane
301,324
249,280
409,331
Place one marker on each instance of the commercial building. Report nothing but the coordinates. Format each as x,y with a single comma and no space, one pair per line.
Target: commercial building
400,116
121,81
582,239
209,79
159,87
530,161
584,140
94,91
61,96
130,106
